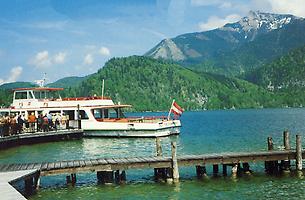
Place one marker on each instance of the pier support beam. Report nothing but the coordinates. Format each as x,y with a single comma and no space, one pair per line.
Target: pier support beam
246,168
161,174
224,170
119,177
29,186
299,153
215,170
105,177
201,171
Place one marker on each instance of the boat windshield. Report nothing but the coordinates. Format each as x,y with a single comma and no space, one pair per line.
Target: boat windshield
46,94
109,113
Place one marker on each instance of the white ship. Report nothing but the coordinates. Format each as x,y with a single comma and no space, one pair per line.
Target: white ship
99,116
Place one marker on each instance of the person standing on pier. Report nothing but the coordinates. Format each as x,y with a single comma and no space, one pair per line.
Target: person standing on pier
2,126
20,123
32,121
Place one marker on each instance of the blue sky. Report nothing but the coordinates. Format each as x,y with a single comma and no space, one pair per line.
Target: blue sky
76,37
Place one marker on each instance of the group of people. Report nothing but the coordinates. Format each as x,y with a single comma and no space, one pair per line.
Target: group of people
16,124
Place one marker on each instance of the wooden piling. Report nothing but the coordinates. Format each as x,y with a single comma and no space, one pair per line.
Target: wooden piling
270,143
175,170
285,164
299,153
201,171
158,146
73,179
234,169
286,140
215,170
224,169
271,167
68,179
29,186
246,168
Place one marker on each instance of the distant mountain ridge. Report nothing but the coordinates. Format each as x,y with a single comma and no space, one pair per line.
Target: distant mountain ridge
67,82
235,47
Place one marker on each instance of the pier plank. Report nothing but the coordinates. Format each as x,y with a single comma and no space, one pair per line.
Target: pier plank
44,166
88,163
102,161
94,162
51,165
76,163
70,164
57,165
2,167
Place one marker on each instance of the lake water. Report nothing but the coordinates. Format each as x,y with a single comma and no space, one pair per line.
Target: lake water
202,132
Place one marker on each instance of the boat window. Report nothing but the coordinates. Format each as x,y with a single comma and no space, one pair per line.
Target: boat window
98,113
30,95
113,113
70,113
21,95
83,114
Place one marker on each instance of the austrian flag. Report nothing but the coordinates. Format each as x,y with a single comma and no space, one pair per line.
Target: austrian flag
176,109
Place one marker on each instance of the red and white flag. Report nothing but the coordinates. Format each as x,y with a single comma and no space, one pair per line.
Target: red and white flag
176,109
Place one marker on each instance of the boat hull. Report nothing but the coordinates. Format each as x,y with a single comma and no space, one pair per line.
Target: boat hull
115,129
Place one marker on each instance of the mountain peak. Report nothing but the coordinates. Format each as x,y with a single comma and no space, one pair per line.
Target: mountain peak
167,49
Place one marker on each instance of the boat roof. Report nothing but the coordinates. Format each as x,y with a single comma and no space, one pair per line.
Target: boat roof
111,106
39,89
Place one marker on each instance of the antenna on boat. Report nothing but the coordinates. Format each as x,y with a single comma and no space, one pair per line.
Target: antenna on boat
103,86
42,81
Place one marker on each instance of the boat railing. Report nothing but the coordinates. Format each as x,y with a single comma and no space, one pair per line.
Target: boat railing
146,119
9,128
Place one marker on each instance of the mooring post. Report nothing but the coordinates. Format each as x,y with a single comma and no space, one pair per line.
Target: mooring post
299,153
158,146
271,166
78,118
285,164
175,169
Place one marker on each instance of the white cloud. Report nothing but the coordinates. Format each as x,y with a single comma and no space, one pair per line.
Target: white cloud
41,60
88,60
104,51
15,73
205,2
216,22
13,76
295,7
59,58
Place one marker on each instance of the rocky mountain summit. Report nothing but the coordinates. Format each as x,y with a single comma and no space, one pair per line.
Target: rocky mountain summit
222,50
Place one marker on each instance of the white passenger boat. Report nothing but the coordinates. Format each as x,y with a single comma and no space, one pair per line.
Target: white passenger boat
99,116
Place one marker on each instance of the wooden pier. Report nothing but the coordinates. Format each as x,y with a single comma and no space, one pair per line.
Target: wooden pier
113,170
40,137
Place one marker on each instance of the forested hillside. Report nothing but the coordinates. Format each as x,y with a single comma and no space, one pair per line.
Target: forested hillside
150,84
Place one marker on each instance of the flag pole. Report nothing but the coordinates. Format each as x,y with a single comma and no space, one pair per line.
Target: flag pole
170,110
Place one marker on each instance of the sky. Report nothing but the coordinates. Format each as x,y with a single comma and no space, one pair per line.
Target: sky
76,37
